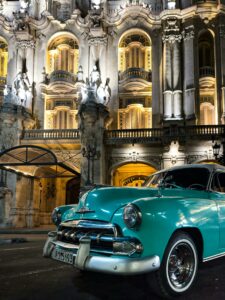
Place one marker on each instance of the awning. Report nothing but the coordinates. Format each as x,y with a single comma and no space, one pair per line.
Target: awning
35,161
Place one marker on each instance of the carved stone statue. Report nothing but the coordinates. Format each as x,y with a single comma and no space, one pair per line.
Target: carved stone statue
80,74
96,4
104,93
24,5
22,89
94,76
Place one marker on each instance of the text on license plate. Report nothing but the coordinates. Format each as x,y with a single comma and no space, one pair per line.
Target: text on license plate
62,255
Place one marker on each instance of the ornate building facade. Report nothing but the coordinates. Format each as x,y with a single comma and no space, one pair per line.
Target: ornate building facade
104,92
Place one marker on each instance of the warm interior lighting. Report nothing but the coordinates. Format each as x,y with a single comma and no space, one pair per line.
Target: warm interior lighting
132,174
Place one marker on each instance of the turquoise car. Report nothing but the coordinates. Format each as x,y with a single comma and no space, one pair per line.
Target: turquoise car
164,229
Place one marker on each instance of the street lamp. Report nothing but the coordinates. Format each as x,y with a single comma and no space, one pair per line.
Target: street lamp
216,152
89,152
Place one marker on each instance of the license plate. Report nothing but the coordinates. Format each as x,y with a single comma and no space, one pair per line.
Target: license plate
62,255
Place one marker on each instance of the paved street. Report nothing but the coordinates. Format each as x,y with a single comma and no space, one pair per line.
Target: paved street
25,274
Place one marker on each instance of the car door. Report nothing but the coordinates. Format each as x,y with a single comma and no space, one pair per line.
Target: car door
218,194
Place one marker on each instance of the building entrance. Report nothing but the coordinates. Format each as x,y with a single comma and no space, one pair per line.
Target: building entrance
132,174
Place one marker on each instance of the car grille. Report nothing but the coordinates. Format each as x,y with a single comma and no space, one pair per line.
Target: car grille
102,234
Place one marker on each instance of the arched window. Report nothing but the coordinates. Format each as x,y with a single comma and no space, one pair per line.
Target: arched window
63,55
206,54
207,114
3,58
135,52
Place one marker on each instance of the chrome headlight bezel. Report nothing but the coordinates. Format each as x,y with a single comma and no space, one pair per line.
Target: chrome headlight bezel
132,216
56,216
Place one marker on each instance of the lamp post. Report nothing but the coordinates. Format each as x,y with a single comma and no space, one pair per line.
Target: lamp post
89,152
216,152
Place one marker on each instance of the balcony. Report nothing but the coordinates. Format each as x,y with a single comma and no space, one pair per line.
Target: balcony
51,135
61,75
164,135
135,73
206,72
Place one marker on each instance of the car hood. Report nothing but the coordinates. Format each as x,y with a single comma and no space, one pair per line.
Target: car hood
102,203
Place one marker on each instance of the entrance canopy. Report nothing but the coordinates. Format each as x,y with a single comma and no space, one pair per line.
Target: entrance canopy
35,161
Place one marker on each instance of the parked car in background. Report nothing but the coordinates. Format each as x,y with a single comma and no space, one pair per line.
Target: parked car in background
164,229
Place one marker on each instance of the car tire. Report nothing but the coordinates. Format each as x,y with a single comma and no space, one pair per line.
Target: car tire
178,269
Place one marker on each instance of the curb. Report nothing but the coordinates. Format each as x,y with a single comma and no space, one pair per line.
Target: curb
12,241
25,231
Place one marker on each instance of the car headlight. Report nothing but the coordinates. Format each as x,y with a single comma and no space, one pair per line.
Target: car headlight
56,216
132,216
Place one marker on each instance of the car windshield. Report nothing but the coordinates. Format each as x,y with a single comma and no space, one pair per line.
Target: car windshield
193,178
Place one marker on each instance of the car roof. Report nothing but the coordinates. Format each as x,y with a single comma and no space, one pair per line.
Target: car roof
210,167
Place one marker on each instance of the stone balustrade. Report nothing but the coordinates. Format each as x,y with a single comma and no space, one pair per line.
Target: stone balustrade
206,72
51,134
131,136
137,73
61,75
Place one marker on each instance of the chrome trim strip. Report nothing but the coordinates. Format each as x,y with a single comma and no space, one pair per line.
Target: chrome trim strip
114,265
90,225
213,257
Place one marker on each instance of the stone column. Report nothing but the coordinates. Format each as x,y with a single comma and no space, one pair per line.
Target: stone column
157,94
172,70
222,64
177,93
189,71
11,62
168,95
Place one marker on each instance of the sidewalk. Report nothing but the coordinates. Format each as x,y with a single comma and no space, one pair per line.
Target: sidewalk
22,235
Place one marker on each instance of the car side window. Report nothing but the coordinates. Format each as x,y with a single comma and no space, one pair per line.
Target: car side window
218,182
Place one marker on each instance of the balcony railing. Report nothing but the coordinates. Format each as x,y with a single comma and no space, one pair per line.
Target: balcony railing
51,134
136,73
131,136
166,134
61,75
206,72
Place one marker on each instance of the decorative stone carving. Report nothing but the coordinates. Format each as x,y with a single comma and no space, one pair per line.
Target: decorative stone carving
24,44
172,31
20,21
188,33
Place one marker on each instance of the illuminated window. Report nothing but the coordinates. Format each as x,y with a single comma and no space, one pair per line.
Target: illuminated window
3,58
63,55
207,114
135,52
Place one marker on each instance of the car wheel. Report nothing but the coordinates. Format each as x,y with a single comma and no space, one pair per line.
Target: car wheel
179,267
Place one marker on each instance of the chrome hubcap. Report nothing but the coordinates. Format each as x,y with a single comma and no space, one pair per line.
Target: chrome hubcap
181,265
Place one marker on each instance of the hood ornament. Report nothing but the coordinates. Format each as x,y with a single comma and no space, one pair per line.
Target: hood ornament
84,210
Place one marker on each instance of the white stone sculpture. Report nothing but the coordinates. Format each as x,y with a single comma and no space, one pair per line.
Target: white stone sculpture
103,93
80,74
22,89
94,76
96,4
24,5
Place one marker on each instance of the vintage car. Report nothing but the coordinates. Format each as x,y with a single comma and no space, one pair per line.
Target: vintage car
164,229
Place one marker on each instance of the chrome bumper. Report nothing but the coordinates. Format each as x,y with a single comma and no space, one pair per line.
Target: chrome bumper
113,265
